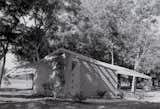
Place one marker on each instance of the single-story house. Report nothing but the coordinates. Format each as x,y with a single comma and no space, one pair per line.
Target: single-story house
82,75
20,77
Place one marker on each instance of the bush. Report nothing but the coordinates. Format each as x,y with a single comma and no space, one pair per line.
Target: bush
120,94
79,97
101,93
48,88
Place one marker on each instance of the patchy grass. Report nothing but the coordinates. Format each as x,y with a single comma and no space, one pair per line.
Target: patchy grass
48,104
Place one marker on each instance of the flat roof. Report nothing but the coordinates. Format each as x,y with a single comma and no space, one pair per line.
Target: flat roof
118,69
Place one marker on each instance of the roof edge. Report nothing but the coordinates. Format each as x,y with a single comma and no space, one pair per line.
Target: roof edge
97,62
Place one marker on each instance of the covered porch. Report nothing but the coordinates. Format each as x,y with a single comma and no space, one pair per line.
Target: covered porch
132,80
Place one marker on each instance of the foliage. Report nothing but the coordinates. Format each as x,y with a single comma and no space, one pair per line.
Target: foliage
32,46
128,30
48,87
11,11
52,21
79,97
56,81
101,93
123,32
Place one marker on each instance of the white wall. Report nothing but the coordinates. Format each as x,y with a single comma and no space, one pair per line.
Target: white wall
11,61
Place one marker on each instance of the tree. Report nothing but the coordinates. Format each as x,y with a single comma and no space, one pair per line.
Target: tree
53,21
142,34
106,17
127,28
11,12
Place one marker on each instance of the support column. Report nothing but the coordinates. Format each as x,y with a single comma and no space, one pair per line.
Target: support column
67,73
150,84
133,88
119,81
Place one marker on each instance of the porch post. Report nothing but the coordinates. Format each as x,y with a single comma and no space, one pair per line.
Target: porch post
133,87
150,83
119,81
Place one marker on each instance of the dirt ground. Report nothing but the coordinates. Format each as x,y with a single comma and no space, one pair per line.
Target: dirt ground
70,105
151,96
149,100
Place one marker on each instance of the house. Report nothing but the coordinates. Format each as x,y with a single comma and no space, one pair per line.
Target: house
83,75
20,77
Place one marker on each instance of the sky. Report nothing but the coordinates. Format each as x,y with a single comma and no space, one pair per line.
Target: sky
29,22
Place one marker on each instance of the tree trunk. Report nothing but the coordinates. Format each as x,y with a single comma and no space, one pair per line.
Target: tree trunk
112,57
3,69
136,64
5,48
136,68
37,54
133,88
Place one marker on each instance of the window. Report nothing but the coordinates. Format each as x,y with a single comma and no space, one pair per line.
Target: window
73,64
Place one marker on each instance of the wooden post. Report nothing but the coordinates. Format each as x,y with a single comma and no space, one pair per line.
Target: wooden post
119,81
67,73
133,88
150,83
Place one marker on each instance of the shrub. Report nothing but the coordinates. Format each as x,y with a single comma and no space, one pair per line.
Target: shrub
48,88
79,97
101,93
120,94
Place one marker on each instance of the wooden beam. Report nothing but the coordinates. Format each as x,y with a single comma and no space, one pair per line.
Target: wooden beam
119,81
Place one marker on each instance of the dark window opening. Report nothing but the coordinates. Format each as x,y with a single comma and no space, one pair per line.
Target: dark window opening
73,64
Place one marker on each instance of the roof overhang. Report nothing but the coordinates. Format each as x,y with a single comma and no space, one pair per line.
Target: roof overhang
118,69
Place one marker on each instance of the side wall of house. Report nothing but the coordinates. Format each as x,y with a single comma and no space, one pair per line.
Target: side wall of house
96,79
72,76
41,78
81,77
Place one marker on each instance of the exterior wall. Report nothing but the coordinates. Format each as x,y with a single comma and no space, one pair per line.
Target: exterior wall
41,77
81,77
17,84
88,79
72,77
95,79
